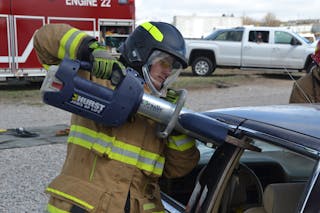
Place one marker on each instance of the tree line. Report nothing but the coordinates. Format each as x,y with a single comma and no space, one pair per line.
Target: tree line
268,20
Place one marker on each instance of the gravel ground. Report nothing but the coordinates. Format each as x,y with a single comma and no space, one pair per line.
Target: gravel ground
25,172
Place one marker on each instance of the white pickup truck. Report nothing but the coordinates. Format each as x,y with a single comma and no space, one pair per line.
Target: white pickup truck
271,48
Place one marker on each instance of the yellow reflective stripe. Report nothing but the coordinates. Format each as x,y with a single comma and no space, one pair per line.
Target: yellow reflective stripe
85,130
180,142
116,150
70,197
53,209
75,43
153,30
148,206
63,42
69,43
46,66
80,142
149,167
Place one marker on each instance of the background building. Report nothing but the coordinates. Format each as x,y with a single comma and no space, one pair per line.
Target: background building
198,26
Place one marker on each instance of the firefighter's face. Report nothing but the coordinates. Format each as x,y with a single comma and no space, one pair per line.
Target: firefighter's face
160,71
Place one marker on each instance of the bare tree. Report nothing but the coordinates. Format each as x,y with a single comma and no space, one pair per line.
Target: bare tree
268,20
271,20
249,21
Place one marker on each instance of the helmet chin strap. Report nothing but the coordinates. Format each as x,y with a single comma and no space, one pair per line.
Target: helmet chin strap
148,80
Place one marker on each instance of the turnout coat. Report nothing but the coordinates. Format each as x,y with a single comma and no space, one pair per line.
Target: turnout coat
104,165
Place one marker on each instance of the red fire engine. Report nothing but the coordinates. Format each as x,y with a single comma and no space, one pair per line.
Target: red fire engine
109,20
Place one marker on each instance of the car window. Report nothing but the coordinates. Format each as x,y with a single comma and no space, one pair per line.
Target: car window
230,36
281,37
259,36
250,176
258,170
236,35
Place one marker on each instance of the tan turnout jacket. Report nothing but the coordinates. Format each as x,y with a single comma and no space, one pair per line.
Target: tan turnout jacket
307,88
103,164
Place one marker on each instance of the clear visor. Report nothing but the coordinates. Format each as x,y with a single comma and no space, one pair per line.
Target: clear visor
160,71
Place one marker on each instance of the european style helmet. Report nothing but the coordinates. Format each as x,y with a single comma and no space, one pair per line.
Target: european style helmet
153,42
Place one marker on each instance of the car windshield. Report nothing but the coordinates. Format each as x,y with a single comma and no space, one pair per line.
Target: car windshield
303,38
213,35
230,35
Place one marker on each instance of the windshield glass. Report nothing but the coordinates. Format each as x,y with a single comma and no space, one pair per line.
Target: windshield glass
213,35
303,38
233,35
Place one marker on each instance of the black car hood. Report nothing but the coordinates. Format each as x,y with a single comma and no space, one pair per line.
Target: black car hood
302,118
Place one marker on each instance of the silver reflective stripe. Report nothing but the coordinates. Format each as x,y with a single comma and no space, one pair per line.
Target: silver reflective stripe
117,150
81,135
159,165
101,142
124,152
69,42
148,161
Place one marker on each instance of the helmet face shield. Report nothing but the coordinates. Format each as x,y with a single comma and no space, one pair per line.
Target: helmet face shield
160,71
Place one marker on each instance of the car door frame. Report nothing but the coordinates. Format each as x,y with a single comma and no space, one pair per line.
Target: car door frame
312,193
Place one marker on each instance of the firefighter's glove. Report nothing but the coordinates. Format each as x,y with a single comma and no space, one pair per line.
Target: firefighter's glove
172,96
106,67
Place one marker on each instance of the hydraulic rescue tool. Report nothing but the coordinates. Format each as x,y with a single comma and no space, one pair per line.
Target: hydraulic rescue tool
65,89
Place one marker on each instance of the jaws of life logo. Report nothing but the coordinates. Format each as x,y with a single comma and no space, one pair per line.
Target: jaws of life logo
87,103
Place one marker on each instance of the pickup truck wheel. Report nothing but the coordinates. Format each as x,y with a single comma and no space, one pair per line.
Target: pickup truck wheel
202,66
311,66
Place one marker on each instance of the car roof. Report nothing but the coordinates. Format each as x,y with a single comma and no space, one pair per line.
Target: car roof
297,123
249,27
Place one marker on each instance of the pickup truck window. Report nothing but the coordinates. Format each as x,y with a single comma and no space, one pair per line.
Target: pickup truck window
259,36
235,36
282,37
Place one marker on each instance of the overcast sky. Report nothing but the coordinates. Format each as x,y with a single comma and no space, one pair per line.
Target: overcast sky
164,10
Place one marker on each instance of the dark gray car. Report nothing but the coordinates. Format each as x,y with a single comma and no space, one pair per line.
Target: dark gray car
273,168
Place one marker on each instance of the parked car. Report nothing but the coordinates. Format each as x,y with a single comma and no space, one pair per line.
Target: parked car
271,48
276,168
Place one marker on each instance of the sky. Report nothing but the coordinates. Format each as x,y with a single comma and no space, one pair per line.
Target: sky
284,10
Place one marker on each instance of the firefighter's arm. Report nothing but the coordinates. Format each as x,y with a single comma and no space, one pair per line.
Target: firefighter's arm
53,42
295,96
299,94
181,154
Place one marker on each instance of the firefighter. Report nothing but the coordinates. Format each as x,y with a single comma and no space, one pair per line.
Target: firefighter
307,88
117,169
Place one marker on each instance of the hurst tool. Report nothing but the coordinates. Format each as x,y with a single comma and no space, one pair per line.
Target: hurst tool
65,89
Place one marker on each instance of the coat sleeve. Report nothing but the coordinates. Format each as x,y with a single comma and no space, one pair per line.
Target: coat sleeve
302,90
296,95
182,155
53,42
